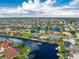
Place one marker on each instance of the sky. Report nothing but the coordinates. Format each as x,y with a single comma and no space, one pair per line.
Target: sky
39,8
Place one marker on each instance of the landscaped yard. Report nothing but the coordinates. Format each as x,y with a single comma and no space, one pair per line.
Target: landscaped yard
62,52
27,35
24,51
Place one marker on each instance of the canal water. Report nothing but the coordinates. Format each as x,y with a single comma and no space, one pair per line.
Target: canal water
40,50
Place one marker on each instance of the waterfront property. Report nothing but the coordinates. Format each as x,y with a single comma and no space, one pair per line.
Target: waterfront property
39,50
39,34
12,50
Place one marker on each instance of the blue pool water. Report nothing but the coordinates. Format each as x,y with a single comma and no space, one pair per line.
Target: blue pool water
55,30
40,50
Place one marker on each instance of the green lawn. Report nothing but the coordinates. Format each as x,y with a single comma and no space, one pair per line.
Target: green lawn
24,51
62,52
27,35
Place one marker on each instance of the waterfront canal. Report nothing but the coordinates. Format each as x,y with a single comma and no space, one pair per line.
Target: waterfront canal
40,50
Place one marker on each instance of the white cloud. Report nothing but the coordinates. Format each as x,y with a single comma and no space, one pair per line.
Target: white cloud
74,2
36,9
36,2
49,2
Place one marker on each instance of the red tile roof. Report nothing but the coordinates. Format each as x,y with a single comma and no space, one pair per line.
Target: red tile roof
10,53
5,44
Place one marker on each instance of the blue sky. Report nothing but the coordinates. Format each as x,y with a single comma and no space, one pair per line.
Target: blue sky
43,8
15,3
